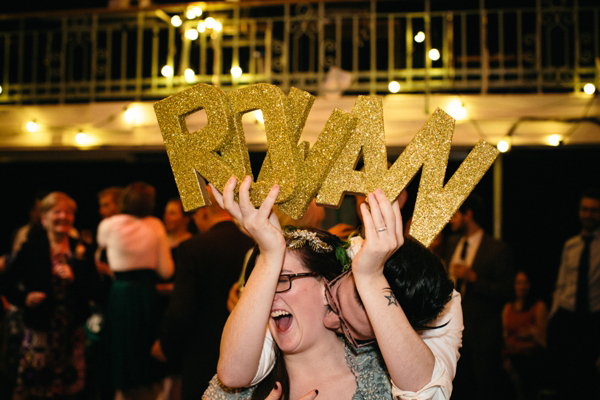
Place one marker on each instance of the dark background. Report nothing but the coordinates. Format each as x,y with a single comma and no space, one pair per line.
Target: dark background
541,191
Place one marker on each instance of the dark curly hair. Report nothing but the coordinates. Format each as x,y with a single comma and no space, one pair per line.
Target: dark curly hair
419,282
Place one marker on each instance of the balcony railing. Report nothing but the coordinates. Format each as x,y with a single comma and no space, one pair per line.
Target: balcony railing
98,55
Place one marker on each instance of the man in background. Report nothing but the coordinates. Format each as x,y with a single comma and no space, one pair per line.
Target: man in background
206,265
574,327
481,268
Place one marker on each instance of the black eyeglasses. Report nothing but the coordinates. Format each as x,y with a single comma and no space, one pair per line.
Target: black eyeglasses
334,304
285,281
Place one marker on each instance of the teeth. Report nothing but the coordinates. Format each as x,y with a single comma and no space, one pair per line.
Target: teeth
279,313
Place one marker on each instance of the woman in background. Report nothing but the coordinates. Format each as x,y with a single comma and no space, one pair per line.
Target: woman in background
524,321
53,278
137,250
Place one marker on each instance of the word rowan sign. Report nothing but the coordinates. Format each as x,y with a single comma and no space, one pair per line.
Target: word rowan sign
325,171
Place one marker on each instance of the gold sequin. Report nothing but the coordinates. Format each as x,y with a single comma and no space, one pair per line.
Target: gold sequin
368,138
435,203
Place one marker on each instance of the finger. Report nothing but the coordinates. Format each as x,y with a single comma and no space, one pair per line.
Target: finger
387,212
217,194
229,199
368,224
376,212
275,393
310,395
246,205
399,225
267,206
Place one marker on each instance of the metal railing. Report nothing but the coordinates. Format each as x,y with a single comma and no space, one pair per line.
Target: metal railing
120,54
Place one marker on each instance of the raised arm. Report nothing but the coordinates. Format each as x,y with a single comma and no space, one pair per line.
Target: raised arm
244,332
408,359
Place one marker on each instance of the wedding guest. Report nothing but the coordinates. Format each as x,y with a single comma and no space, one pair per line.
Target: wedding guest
137,249
524,321
108,201
482,269
206,265
53,278
574,326
176,223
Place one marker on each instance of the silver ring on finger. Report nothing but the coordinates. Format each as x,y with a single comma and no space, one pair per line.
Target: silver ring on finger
381,229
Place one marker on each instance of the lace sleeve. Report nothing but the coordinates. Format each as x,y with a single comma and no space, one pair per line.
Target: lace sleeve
217,391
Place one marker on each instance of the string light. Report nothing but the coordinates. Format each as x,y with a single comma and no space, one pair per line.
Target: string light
218,26
394,87
236,71
503,146
191,34
32,126
167,71
259,117
554,140
176,21
434,54
131,114
193,12
201,27
589,88
83,139
189,75
420,37
209,23
457,110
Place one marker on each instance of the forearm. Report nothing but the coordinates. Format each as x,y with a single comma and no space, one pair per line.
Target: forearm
409,361
244,332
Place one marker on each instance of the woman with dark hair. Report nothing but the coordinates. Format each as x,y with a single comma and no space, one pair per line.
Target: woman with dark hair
524,321
137,250
286,291
53,278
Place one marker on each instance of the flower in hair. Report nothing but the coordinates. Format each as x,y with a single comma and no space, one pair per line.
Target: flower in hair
356,243
301,237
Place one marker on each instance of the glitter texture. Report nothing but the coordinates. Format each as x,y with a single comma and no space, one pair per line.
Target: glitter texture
435,203
282,152
368,137
209,153
319,161
297,107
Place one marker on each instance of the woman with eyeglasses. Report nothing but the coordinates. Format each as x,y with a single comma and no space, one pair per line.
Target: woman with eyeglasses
380,244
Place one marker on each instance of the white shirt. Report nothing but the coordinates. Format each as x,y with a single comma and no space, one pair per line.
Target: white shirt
566,284
443,343
134,243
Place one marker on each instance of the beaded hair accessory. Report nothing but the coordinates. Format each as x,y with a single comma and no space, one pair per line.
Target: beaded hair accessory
301,237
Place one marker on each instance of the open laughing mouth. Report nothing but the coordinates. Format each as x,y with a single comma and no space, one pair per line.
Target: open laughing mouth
283,320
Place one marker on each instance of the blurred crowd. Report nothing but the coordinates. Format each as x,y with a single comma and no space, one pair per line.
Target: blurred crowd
135,310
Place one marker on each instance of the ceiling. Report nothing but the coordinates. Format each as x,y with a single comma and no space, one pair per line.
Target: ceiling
525,119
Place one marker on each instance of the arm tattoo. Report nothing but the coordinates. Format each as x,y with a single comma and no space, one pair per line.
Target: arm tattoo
392,301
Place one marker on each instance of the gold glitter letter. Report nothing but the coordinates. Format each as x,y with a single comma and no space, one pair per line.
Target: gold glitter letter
319,161
210,153
435,203
283,155
368,137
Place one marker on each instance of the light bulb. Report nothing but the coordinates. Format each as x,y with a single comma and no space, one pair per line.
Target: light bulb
420,37
394,87
236,72
176,21
190,75
32,126
503,146
589,88
191,34
554,140
434,54
209,22
167,71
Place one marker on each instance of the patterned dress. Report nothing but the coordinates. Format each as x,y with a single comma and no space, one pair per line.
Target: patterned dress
52,362
372,379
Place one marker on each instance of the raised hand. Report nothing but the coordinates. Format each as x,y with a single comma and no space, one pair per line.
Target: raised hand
383,234
261,223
